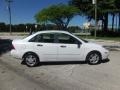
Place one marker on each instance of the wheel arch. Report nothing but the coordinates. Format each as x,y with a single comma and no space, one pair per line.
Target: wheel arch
93,51
30,52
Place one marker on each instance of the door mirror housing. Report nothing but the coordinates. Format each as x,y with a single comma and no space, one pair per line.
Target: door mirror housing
79,44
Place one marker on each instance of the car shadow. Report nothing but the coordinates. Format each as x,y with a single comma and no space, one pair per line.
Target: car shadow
5,46
62,63
106,60
69,62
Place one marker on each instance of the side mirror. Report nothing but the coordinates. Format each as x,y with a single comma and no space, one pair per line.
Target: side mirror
79,44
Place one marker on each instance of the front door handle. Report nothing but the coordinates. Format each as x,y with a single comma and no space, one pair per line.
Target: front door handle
39,45
63,46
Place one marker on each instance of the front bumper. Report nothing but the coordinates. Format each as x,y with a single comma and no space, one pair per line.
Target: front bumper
105,55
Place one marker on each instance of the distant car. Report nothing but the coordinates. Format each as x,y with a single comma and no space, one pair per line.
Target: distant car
5,45
57,45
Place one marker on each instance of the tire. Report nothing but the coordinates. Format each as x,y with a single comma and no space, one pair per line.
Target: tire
31,60
93,58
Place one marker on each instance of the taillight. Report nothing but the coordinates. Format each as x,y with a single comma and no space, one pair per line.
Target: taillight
12,47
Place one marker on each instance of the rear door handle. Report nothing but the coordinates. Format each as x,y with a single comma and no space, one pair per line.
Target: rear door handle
63,46
39,45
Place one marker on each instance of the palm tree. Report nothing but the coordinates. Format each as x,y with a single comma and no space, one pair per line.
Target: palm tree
87,9
112,11
105,7
113,19
117,4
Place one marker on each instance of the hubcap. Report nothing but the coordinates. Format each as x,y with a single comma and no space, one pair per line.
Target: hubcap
94,58
30,60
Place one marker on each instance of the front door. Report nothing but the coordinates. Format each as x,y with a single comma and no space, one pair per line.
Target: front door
68,48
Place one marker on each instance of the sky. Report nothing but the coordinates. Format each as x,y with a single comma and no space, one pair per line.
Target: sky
23,11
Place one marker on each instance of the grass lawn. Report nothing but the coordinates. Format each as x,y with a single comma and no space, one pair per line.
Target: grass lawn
103,38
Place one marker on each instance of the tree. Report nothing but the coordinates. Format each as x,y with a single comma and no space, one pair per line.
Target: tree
83,5
105,7
88,10
58,14
2,27
74,29
117,4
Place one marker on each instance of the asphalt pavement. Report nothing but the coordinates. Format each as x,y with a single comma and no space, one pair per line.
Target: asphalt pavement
69,76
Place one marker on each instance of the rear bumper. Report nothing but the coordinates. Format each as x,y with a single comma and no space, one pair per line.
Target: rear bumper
16,54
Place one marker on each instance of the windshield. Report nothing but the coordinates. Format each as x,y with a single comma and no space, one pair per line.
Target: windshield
84,40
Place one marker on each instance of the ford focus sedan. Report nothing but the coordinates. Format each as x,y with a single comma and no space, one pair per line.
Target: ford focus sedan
54,45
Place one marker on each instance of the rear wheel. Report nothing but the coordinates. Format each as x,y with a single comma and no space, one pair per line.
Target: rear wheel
31,60
93,58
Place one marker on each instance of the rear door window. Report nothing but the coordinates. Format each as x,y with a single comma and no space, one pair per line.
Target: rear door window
44,38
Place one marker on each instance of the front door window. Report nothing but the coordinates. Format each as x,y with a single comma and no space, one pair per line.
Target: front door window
66,39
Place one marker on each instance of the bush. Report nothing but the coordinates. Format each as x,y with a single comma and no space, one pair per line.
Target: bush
106,33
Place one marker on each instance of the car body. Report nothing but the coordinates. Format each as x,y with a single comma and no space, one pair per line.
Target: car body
57,45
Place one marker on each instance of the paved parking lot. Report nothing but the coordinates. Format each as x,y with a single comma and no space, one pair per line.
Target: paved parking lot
105,76
64,76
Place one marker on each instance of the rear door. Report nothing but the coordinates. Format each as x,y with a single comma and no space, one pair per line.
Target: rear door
44,45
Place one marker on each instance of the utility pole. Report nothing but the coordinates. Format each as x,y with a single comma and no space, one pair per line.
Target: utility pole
36,27
9,10
95,5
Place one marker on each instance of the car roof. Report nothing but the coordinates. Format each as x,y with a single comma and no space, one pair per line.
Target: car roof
46,31
50,31
56,31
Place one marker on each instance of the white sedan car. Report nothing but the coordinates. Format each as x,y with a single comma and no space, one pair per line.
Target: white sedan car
57,46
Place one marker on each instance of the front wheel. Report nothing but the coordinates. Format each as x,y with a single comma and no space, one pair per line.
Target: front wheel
93,58
31,60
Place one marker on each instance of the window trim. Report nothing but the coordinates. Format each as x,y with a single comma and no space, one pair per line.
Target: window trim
43,42
57,41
